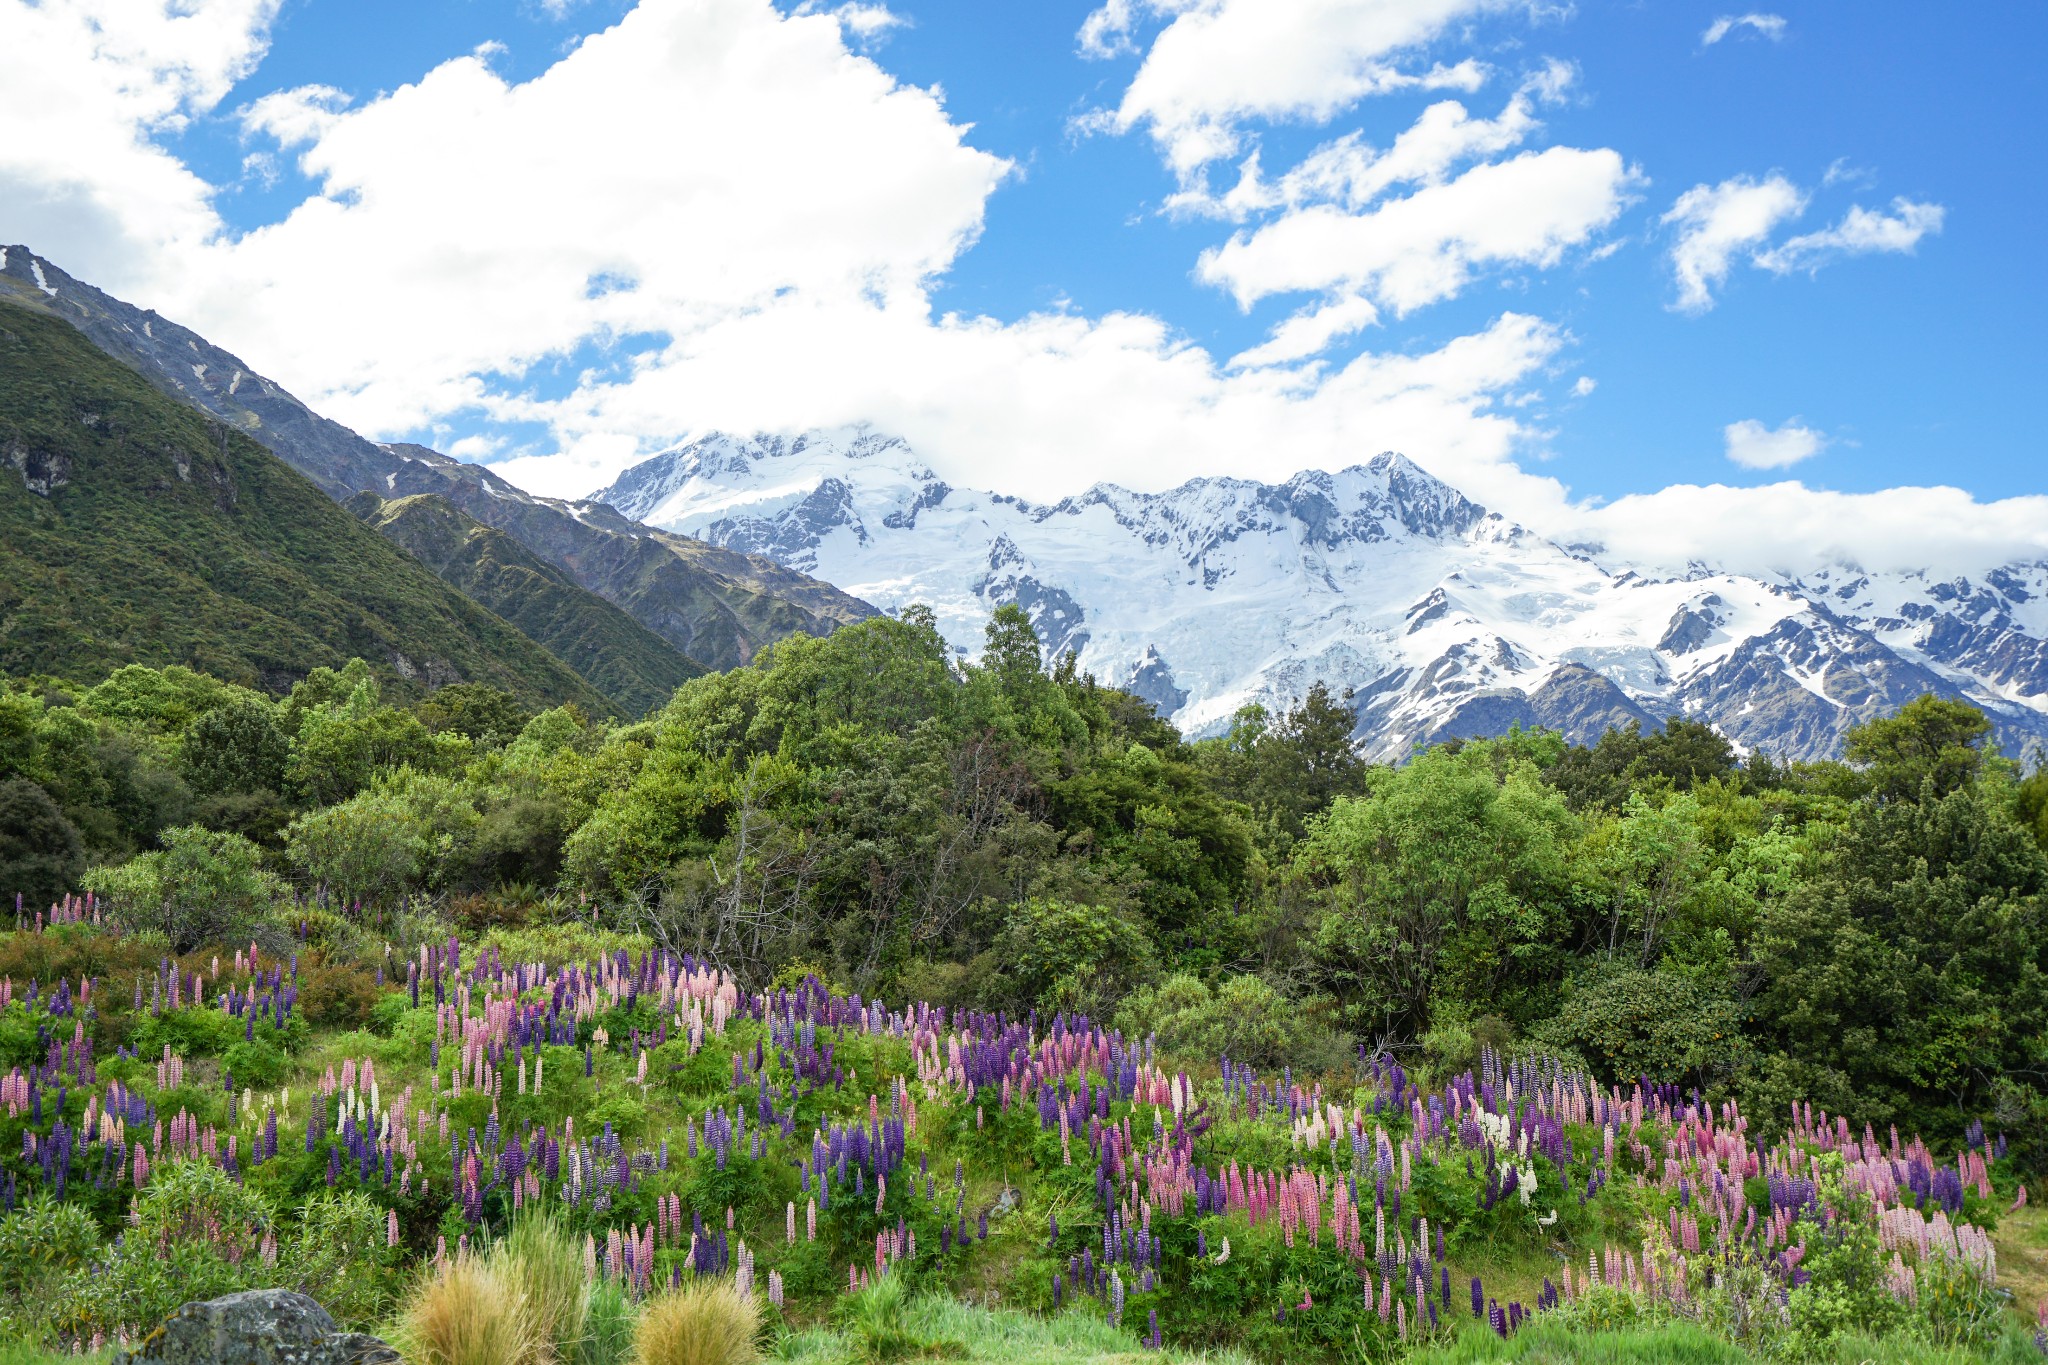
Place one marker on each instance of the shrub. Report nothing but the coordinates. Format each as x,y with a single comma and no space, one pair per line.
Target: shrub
201,888
709,1322
1074,957
1661,1024
194,1234
461,1313
337,1255
39,1246
1244,1019
337,994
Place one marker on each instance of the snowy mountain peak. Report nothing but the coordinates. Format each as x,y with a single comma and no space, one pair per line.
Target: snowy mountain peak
1442,617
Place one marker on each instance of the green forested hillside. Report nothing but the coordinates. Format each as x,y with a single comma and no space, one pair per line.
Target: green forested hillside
611,651
134,530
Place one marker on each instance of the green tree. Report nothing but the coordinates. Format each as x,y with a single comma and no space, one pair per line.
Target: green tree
1908,977
2031,803
1678,757
1930,740
341,747
488,715
41,855
159,700
1291,769
19,717
1447,878
202,887
238,747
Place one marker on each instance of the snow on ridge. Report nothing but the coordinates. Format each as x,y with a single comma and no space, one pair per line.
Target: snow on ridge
1227,590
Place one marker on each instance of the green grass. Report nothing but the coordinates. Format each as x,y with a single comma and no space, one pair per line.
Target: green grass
985,1334
23,1353
1683,1343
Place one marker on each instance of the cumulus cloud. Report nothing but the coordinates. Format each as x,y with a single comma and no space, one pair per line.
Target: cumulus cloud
866,24
1309,332
1861,232
1715,223
85,89
1053,402
1220,63
468,228
1771,26
1349,171
1413,251
1753,445
1719,225
1789,528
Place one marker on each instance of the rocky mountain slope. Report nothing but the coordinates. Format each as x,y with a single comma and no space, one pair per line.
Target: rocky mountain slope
135,530
1443,617
616,654
715,606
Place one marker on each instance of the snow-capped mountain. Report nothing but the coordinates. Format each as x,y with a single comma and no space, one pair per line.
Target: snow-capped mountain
1442,617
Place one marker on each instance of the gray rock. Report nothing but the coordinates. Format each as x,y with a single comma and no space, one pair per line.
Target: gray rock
259,1327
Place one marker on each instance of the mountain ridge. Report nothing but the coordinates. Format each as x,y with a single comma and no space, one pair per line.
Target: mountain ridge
716,607
609,649
136,530
1443,617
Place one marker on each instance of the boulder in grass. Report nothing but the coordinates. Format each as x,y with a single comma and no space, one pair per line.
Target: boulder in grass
260,1327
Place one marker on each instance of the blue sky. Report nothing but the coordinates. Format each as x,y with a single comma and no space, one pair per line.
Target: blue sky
560,236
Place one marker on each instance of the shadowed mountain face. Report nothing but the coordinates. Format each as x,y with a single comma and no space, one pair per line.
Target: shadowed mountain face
1443,618
714,605
135,530
609,649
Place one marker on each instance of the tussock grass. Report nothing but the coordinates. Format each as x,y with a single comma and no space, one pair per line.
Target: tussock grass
541,1265
465,1313
707,1322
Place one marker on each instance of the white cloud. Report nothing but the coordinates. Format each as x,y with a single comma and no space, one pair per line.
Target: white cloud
1526,210
1054,402
1585,385
1348,171
468,228
1309,332
85,85
1861,232
866,24
769,251
1753,445
1771,26
1790,528
770,258
1220,63
1718,222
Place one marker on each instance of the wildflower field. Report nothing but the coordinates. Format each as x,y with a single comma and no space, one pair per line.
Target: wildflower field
180,1126
864,1004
